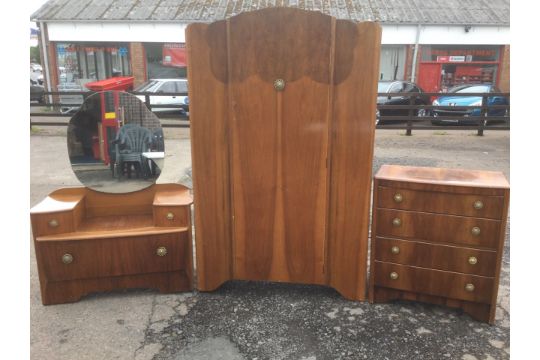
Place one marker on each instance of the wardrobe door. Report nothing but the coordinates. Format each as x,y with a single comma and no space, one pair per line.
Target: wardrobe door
279,140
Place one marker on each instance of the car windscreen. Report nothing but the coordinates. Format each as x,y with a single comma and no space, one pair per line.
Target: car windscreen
472,89
181,86
383,87
146,86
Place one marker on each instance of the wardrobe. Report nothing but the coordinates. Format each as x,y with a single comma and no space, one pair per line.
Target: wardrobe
282,112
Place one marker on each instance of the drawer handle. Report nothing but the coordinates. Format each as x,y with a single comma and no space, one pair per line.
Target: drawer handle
395,250
473,260
478,205
469,287
170,216
67,258
54,223
279,84
398,197
161,251
475,231
394,275
396,222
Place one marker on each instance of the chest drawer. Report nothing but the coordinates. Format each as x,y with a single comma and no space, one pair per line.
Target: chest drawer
77,259
434,282
438,228
434,256
442,203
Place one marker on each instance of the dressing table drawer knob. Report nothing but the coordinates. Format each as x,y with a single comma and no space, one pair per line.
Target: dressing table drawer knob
54,223
170,216
472,260
161,251
475,231
67,258
395,250
478,205
398,197
394,275
396,222
469,287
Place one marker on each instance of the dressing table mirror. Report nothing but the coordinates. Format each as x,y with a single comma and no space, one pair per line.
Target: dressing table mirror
121,230
115,144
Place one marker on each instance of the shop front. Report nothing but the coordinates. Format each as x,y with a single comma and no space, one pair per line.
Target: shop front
445,66
80,63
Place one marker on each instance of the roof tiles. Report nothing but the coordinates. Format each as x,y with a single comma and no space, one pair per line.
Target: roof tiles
472,12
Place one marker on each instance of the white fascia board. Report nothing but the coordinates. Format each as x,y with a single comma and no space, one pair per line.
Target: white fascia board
446,35
175,32
117,31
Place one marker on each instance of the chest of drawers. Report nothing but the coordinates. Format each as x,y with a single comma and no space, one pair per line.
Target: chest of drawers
437,236
87,241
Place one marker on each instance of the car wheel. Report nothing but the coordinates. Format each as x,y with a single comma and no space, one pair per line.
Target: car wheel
421,113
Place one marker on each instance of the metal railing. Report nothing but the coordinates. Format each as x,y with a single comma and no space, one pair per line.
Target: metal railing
408,119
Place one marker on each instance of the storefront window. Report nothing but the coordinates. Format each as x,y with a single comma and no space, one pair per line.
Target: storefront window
445,66
165,61
392,62
79,64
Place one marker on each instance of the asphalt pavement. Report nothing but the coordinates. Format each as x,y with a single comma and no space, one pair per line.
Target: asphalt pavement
260,320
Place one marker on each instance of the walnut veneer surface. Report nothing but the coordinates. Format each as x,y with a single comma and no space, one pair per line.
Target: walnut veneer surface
280,195
438,236
87,241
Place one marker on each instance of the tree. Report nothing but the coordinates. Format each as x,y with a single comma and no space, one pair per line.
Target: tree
35,55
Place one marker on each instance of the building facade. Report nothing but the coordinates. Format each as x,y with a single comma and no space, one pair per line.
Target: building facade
434,43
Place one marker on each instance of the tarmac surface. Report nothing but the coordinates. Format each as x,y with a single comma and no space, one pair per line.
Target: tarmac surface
259,320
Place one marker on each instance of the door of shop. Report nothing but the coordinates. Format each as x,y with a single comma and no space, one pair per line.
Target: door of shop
429,77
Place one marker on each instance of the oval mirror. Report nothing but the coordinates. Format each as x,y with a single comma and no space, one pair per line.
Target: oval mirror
115,144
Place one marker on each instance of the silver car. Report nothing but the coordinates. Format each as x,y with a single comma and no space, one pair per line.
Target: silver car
165,86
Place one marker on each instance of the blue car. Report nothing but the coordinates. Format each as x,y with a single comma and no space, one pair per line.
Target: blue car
466,116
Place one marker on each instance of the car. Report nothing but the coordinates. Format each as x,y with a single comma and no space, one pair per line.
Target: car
165,86
36,92
467,116
398,86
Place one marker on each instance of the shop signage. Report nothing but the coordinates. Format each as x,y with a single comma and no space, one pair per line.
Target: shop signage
452,59
457,58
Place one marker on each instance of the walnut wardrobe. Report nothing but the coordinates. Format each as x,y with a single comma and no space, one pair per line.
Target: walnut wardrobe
282,109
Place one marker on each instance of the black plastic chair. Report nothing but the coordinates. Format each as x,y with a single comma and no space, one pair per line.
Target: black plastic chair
131,141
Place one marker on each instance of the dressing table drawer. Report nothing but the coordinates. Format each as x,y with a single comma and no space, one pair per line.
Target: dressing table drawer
52,223
438,228
481,206
434,282
434,256
171,216
97,258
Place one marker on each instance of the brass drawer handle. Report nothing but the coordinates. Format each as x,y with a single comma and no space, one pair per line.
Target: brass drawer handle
398,197
395,250
478,205
475,231
472,260
170,216
469,287
394,275
54,223
279,84
161,251
396,222
67,258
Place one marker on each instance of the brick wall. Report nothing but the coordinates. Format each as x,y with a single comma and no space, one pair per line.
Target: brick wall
504,77
138,63
135,111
